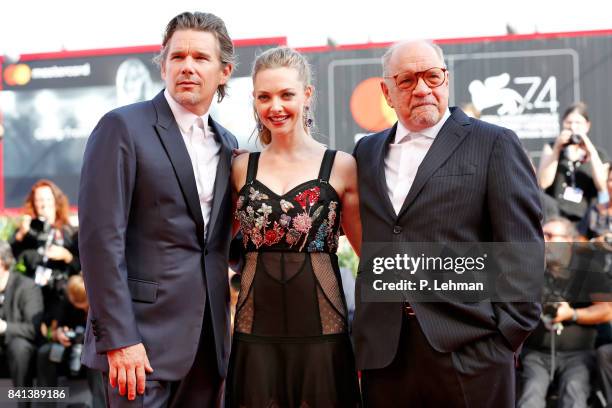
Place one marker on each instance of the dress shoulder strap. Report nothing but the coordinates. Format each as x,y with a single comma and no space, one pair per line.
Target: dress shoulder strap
326,165
252,167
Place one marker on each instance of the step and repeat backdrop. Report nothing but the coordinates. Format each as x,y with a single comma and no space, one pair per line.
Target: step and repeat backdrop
49,103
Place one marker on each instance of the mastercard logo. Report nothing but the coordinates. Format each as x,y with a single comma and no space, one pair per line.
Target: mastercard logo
17,74
369,107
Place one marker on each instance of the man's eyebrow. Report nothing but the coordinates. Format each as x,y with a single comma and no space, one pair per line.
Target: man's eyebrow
200,53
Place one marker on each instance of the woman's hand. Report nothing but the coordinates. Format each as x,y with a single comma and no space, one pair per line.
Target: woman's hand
600,169
24,227
562,140
588,146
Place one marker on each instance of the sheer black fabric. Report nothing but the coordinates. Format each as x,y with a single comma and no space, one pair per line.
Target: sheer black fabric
291,345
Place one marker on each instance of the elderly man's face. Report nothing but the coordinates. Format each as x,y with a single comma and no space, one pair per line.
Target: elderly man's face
421,107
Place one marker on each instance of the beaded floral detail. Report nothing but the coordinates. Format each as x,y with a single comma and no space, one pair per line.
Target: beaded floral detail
265,222
285,205
256,195
325,233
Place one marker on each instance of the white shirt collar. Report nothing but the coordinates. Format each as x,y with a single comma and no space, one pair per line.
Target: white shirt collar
431,132
184,118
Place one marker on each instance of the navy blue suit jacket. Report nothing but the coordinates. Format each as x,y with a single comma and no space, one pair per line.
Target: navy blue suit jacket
149,268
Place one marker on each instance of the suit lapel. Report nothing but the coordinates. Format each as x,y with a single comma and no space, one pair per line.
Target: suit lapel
173,143
380,153
8,296
223,173
448,139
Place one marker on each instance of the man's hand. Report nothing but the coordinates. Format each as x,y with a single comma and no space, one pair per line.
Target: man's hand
59,253
127,367
564,312
61,338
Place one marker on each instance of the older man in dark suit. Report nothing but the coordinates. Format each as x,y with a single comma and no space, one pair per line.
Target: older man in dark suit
439,176
155,216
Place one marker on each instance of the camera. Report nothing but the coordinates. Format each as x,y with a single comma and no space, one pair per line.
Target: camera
549,313
76,337
551,301
550,309
40,226
575,139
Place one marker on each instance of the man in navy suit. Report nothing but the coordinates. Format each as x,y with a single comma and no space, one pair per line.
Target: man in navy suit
155,217
439,176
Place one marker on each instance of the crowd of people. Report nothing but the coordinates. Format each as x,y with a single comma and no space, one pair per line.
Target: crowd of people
44,304
164,188
571,345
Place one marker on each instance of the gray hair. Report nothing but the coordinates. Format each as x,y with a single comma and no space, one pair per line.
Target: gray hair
389,53
6,255
281,57
206,22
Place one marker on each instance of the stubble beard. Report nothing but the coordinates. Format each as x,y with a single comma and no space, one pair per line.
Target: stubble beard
187,98
425,118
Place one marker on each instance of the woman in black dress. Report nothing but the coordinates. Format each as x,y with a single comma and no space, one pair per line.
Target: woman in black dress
291,345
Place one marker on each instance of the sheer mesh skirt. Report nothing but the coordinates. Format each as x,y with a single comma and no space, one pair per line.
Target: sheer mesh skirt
291,347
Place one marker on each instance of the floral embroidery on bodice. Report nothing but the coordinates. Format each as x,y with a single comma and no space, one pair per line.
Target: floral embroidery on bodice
305,219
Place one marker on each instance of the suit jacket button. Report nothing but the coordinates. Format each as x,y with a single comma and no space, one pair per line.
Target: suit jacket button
397,229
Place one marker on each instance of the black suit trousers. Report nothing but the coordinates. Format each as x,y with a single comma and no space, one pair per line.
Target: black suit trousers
480,375
202,387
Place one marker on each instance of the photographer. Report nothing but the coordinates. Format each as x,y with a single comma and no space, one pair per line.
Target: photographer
45,243
604,370
20,312
563,343
66,335
572,171
597,222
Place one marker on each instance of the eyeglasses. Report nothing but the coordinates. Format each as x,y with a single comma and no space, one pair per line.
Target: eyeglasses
407,81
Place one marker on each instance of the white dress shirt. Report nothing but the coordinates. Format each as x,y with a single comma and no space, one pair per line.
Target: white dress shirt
203,150
405,155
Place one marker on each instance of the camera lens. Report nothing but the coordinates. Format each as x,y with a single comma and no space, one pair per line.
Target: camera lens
74,361
575,139
37,225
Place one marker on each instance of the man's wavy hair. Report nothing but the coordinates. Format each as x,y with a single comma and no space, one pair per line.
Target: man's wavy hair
206,22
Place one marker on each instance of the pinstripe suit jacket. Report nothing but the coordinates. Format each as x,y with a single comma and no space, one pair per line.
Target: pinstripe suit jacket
474,185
